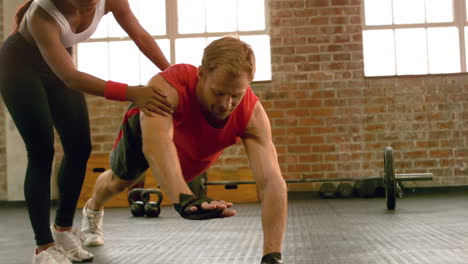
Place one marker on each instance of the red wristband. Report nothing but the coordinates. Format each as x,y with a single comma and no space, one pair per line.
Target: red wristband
116,91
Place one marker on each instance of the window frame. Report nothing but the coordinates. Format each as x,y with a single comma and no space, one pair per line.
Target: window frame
172,33
459,22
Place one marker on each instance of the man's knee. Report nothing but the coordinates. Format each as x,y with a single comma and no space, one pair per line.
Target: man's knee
118,185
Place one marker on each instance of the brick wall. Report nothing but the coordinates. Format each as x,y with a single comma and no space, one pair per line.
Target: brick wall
3,178
105,118
329,121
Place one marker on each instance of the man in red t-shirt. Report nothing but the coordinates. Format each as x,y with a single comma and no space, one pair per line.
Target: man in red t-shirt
214,107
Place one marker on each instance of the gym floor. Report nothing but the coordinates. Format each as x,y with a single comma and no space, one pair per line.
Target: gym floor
424,228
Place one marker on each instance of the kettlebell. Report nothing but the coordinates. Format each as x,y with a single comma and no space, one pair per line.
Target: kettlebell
152,209
137,206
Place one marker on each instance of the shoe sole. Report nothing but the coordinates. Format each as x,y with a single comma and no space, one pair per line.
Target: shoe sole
93,244
83,261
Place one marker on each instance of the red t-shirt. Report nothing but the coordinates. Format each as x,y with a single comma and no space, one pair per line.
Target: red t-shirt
199,144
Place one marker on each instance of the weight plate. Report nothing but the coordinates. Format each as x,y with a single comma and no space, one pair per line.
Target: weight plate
390,182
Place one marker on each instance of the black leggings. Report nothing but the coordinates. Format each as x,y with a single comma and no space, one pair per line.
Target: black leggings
38,101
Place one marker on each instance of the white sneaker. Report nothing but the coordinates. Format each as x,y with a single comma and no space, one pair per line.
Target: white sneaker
52,255
72,243
91,226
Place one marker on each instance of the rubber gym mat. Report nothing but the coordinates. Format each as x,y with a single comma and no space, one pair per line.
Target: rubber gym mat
422,229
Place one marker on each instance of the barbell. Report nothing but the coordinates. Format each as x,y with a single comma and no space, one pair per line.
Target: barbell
390,180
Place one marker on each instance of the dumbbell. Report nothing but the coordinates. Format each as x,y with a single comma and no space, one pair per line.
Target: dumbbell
137,206
152,209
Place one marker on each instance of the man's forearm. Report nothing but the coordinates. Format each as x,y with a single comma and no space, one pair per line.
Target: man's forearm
274,214
165,165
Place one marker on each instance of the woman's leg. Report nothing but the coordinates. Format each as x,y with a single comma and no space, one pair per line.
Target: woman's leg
70,117
27,102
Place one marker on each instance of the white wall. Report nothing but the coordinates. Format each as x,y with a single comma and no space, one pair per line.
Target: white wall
15,150
9,10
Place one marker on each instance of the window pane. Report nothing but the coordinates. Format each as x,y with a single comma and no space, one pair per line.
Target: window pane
444,50
115,30
150,13
439,11
191,16
93,59
411,51
251,15
379,52
101,30
148,69
211,39
378,12
221,15
189,50
408,12
124,62
261,47
152,16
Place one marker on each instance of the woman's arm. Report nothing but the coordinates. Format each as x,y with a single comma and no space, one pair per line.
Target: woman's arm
46,32
145,42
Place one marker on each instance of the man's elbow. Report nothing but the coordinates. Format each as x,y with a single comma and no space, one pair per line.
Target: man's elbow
152,147
149,150
276,185
282,187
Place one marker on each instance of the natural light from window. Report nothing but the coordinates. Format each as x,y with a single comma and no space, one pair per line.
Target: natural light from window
402,37
111,55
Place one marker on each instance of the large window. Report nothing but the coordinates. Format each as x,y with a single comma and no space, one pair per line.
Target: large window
413,37
182,29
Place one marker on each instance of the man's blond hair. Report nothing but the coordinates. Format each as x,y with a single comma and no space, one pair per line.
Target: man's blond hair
231,55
